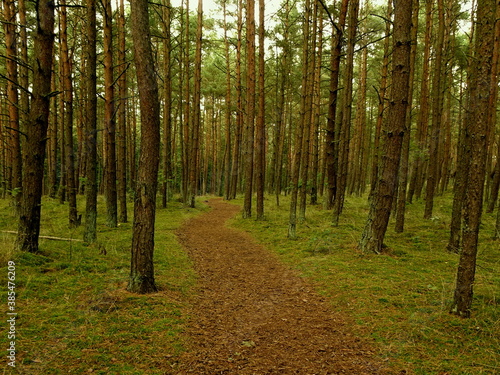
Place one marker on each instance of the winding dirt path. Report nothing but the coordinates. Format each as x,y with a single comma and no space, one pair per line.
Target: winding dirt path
253,315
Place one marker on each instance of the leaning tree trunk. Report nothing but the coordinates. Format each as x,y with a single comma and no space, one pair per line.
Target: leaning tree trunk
383,195
36,129
477,132
142,270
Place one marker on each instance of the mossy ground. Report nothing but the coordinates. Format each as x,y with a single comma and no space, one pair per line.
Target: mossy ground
401,299
76,317
74,314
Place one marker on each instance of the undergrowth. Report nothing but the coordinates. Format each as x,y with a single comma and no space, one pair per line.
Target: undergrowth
399,300
74,313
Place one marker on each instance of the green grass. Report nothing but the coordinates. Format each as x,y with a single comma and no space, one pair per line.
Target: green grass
74,315
400,301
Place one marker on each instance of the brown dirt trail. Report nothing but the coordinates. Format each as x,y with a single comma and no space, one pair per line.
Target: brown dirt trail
253,315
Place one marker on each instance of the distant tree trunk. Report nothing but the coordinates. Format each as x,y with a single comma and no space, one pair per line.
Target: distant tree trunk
477,132
405,155
298,159
436,119
24,101
187,141
345,126
228,105
250,109
417,178
90,232
67,86
14,149
331,148
315,115
121,134
260,135
110,193
36,129
167,106
383,195
235,165
307,109
142,269
195,137
52,143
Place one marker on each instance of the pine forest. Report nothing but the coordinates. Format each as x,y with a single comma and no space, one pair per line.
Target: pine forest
263,184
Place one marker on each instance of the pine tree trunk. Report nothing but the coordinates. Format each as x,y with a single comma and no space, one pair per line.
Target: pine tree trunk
436,119
405,156
477,131
250,109
14,146
381,102
121,125
260,144
345,126
36,129
331,147
372,239
90,232
67,96
142,278
167,107
110,193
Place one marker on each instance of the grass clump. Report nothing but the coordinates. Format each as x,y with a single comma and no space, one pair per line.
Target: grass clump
399,300
74,314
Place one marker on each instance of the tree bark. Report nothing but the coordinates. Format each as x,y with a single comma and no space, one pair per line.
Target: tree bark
142,269
405,156
121,124
436,119
90,232
36,130
67,98
383,195
110,192
331,147
477,131
14,175
260,135
250,115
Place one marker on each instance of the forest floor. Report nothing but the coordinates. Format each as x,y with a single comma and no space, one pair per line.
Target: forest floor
254,315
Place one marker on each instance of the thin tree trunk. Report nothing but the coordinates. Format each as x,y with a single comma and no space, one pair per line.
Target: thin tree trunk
331,147
345,128
14,148
167,107
110,193
90,232
67,86
260,144
250,108
121,125
437,110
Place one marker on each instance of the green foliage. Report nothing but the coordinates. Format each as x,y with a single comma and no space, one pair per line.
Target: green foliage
400,300
74,314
